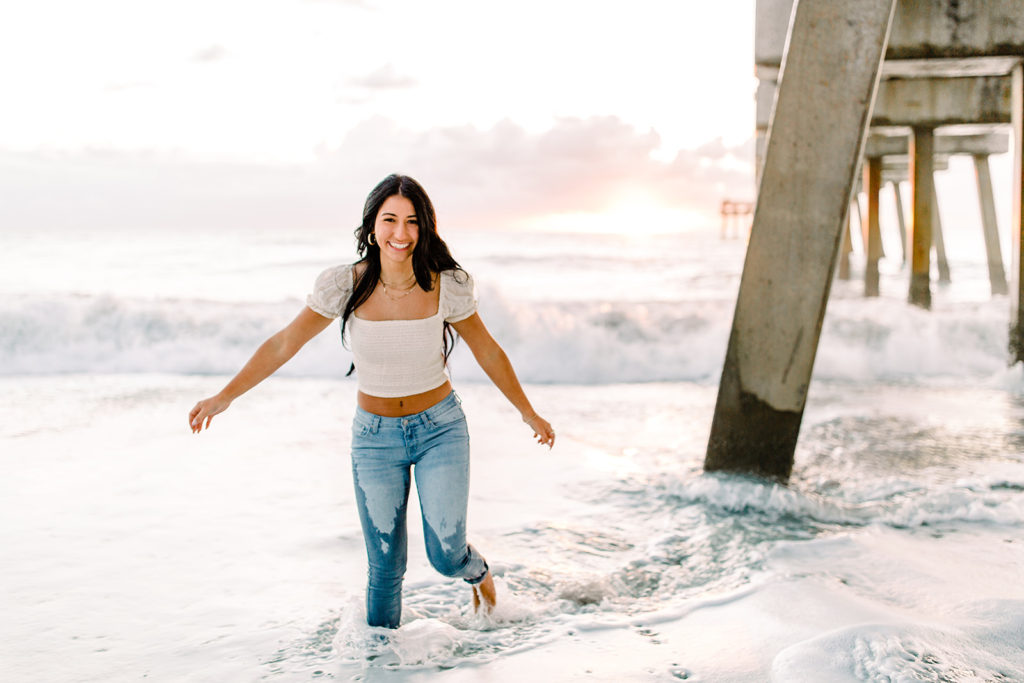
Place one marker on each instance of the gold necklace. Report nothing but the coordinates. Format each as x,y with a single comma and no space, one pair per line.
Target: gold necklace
404,292
406,281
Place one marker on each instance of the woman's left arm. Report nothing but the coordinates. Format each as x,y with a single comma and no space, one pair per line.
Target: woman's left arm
496,364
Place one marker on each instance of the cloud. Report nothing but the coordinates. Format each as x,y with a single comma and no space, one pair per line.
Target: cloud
715,149
478,177
506,173
384,78
212,53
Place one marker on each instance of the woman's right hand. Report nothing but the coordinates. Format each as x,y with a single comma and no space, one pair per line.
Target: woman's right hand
204,412
542,430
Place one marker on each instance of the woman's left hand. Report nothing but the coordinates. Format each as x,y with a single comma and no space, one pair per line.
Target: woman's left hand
542,430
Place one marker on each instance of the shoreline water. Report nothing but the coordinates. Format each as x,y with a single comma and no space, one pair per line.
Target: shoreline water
137,548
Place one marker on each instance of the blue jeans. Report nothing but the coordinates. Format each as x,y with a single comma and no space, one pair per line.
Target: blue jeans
384,450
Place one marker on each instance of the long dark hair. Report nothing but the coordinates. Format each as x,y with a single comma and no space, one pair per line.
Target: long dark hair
431,254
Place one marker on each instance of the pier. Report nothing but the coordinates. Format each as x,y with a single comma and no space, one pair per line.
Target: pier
736,216
858,93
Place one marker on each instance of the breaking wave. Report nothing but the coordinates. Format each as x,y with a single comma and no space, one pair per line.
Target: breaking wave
554,342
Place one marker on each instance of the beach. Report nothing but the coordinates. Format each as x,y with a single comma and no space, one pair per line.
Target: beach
135,549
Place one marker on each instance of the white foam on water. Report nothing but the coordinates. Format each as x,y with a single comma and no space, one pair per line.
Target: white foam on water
622,310
891,500
441,629
888,605
981,643
570,342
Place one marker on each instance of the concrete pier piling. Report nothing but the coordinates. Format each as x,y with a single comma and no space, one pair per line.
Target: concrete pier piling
990,229
921,192
937,239
846,249
872,231
893,149
901,221
857,219
1017,223
833,59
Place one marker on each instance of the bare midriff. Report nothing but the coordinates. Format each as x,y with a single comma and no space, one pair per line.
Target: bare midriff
403,405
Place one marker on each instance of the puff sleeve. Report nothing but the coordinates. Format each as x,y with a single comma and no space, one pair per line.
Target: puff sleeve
459,295
331,291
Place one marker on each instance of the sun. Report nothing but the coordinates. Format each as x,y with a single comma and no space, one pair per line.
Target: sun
633,213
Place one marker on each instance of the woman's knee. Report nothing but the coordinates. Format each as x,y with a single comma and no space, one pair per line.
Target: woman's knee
463,562
447,561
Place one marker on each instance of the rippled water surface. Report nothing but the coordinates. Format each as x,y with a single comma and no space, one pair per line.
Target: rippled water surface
134,549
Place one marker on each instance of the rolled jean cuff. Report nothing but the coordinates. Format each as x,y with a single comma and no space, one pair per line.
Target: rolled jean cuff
473,582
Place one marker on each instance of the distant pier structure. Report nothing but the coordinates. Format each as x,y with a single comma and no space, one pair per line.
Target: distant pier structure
870,92
736,216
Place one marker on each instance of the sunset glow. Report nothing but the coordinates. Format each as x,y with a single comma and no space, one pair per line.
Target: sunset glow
207,96
634,214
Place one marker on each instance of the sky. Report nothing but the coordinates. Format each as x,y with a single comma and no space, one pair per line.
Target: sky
271,114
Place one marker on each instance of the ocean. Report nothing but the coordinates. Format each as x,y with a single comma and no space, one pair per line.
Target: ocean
134,549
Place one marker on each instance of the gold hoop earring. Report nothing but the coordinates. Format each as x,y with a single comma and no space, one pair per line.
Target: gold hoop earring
372,239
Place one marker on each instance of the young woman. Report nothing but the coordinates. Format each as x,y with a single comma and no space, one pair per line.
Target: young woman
398,305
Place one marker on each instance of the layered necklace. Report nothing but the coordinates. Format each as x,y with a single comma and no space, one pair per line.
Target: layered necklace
404,289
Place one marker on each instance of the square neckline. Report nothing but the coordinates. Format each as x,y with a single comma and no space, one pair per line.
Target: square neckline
440,296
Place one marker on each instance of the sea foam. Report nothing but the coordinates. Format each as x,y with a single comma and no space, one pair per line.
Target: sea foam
553,342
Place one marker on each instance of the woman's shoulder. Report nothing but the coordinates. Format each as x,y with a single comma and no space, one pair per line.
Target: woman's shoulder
339,276
458,294
457,277
331,290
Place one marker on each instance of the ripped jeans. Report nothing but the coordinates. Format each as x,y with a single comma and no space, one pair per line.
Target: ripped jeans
384,450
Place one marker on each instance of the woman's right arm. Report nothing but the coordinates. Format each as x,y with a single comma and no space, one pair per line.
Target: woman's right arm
271,355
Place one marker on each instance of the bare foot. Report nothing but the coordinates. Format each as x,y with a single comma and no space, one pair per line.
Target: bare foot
485,592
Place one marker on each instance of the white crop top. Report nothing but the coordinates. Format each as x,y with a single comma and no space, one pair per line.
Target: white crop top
396,357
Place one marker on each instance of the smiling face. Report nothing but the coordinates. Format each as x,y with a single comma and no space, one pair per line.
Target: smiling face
397,230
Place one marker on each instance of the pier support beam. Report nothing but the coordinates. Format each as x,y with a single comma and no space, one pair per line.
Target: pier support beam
1017,224
900,219
857,218
847,248
814,146
940,244
921,192
996,274
872,232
